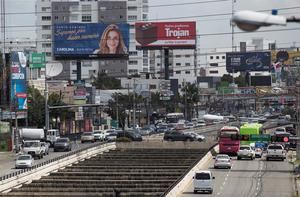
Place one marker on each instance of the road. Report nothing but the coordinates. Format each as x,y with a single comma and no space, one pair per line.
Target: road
249,178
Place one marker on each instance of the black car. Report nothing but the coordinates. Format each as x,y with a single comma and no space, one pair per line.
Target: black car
177,136
133,136
62,144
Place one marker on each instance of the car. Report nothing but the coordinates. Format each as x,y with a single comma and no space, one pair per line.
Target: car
203,181
46,146
111,136
87,137
275,151
132,135
24,161
222,161
62,144
245,151
178,136
196,136
258,152
98,135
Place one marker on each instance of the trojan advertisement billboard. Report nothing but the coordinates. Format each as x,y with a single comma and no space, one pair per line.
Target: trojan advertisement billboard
18,90
90,40
249,61
157,35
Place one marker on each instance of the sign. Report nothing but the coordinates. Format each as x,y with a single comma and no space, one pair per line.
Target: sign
37,60
261,138
18,90
249,61
90,40
156,35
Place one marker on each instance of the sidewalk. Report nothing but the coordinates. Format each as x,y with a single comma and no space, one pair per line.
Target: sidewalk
291,157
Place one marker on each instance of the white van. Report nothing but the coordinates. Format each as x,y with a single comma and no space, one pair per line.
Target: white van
203,181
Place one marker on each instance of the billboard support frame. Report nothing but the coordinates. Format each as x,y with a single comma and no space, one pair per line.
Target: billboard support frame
166,62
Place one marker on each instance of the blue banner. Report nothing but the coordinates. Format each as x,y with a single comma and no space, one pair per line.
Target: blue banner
249,61
90,40
18,86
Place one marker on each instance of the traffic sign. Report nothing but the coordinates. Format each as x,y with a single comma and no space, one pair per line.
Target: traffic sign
261,137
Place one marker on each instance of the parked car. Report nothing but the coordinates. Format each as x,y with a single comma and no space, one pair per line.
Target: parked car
177,136
196,136
24,161
87,137
203,181
98,135
222,161
62,144
133,136
258,152
245,151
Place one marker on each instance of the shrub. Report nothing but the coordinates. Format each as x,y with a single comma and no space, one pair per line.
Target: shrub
123,139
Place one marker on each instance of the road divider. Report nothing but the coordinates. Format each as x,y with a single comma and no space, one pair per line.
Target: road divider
7,184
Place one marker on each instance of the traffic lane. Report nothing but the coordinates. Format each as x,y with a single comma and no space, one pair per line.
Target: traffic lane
250,178
8,163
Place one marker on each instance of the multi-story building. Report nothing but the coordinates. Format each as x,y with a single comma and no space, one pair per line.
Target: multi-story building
50,12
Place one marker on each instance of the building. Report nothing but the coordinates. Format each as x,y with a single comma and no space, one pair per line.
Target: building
85,11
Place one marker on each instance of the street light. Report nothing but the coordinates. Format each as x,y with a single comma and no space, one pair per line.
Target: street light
250,21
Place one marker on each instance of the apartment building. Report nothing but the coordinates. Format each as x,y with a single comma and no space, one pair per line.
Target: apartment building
50,12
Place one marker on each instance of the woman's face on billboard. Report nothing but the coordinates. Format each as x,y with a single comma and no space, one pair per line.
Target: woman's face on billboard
112,41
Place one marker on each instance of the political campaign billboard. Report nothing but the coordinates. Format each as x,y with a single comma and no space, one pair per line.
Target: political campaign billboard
249,61
90,41
157,35
18,90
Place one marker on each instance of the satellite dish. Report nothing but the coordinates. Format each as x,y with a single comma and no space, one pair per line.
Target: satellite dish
53,69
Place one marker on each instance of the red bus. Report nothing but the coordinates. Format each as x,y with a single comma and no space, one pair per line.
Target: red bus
228,140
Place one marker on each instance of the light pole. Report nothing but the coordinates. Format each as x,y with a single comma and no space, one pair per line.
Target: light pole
251,21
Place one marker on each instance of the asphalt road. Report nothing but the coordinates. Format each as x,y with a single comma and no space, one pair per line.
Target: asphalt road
249,178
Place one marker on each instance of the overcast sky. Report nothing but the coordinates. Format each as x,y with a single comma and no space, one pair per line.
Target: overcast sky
214,31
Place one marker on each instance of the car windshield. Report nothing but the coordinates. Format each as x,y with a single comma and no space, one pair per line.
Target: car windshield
244,148
202,176
87,133
97,132
31,144
24,157
274,147
222,157
62,140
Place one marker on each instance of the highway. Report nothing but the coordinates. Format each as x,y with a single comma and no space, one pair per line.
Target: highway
249,178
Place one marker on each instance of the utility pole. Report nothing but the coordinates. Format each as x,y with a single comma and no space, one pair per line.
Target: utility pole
298,118
118,110
134,122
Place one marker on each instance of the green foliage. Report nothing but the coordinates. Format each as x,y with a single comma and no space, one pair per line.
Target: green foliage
36,108
104,82
123,139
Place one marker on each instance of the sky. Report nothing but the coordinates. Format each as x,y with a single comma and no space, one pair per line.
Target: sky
212,17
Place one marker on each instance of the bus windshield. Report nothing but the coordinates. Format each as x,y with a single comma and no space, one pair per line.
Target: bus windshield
174,117
227,134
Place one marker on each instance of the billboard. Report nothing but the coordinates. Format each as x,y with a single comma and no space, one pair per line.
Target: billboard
249,61
90,40
261,80
157,35
18,91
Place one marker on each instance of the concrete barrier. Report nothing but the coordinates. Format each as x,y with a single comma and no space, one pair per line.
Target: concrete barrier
37,173
179,188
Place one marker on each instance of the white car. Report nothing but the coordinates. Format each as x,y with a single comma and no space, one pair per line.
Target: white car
222,161
258,152
196,136
203,181
24,161
98,135
245,151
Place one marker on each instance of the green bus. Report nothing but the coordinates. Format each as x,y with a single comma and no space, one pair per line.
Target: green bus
250,129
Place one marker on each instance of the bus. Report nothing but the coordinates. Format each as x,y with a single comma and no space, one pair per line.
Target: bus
250,129
174,118
228,140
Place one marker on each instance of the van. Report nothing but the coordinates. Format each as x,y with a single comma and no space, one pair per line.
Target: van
203,181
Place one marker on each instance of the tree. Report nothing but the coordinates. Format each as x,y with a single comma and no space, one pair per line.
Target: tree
104,82
36,108
190,96
121,102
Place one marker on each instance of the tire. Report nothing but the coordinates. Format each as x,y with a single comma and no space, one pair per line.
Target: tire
195,191
267,159
238,158
211,191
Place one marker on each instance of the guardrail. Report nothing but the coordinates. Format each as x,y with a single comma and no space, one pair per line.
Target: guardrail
7,176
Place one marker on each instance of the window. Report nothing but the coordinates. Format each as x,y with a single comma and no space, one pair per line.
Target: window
132,17
145,16
74,71
187,55
48,54
211,57
46,27
145,61
152,87
213,72
178,72
217,57
46,18
133,53
132,62
158,64
86,18
178,56
86,8
46,36
132,8
187,72
46,45
223,57
187,64
86,63
214,64
56,18
178,64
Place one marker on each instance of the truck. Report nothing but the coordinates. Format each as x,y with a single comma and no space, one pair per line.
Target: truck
35,141
275,151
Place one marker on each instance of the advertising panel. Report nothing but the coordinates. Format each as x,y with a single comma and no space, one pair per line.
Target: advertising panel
90,40
156,35
18,91
261,80
249,61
